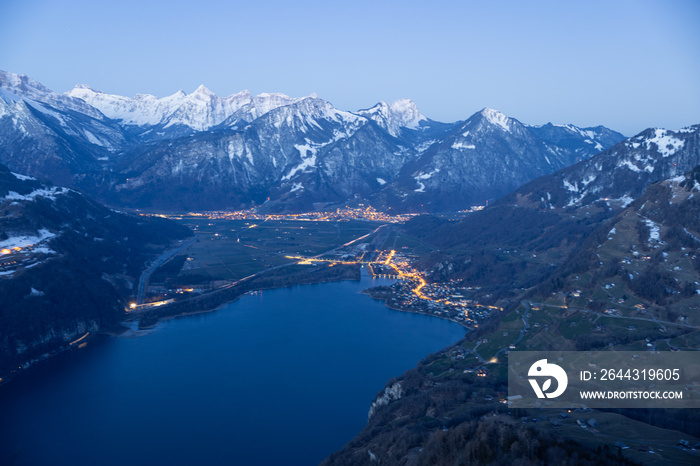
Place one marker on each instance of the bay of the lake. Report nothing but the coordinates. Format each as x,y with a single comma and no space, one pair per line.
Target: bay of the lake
285,376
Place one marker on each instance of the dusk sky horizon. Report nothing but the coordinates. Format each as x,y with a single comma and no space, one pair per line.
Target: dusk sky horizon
627,65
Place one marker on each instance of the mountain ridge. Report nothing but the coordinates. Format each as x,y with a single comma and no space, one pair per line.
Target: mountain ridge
288,153
67,265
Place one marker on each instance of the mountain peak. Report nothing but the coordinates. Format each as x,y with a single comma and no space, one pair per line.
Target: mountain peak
244,94
84,86
203,90
496,118
272,95
25,88
404,105
402,113
22,84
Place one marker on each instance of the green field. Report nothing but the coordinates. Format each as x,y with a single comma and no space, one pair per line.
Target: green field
401,242
233,249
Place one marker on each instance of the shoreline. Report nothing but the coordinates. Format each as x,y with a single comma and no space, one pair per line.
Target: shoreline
128,330
217,299
142,331
368,292
26,366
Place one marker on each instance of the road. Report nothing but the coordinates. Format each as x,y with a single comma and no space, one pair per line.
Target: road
157,262
167,255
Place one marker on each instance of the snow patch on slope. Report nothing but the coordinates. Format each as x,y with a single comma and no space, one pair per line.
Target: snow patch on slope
23,177
426,176
667,145
461,145
308,159
23,241
654,230
49,193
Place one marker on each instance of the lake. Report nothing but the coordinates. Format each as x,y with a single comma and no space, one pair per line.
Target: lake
285,376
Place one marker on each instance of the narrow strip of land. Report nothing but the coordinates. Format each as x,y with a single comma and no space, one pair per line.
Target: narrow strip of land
157,262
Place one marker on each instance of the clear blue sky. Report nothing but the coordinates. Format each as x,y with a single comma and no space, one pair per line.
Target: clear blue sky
625,64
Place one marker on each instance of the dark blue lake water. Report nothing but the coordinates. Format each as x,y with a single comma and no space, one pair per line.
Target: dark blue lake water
282,377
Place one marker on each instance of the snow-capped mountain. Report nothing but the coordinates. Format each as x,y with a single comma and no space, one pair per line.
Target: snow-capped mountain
491,154
24,87
52,135
202,110
257,107
584,141
200,151
620,174
277,153
402,114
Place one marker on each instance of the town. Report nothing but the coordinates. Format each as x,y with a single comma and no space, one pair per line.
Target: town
411,292
345,214
377,250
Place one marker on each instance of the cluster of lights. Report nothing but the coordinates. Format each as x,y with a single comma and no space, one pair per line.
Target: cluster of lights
344,214
403,270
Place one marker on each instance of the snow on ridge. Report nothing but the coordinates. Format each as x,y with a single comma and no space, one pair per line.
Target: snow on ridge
264,103
407,112
589,135
23,177
496,118
667,144
402,113
307,112
17,87
200,110
381,181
